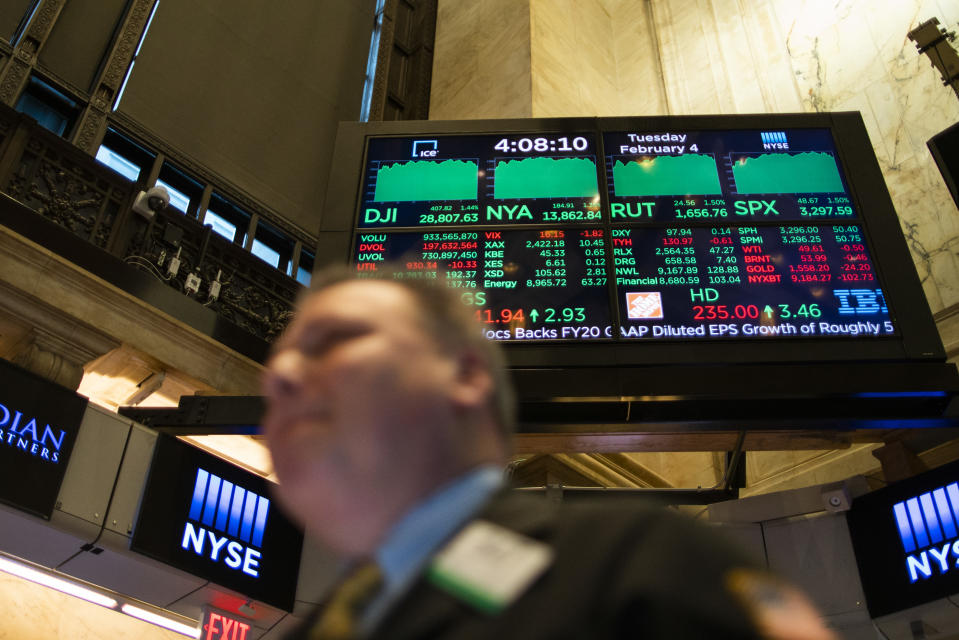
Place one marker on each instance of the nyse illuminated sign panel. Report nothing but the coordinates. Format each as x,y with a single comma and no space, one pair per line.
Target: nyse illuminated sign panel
906,538
203,515
238,515
927,528
39,422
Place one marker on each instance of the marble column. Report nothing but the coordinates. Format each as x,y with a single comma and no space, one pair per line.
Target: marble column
546,58
481,61
44,355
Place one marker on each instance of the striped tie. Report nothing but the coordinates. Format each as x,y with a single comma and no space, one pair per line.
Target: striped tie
340,618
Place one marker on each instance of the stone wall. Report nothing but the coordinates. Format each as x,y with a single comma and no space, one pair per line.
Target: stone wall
481,60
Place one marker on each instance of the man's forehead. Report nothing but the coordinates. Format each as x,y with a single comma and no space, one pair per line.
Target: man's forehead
358,300
364,293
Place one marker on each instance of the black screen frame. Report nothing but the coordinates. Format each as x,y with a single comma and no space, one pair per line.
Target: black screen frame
919,339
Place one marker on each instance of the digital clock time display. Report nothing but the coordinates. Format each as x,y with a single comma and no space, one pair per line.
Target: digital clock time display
562,144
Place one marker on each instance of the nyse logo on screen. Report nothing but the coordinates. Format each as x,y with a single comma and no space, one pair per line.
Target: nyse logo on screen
227,525
773,140
928,529
24,433
425,148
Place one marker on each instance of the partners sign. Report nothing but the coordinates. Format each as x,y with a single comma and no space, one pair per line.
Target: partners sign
39,422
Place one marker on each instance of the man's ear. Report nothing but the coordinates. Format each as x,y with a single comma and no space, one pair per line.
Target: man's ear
473,383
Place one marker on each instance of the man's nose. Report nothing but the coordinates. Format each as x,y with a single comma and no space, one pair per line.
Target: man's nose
284,374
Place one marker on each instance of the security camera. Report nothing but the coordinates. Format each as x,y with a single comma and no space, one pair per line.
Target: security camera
150,201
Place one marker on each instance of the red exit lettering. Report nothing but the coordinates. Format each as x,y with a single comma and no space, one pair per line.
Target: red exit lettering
220,627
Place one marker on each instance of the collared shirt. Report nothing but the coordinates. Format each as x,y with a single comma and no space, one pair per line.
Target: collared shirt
414,539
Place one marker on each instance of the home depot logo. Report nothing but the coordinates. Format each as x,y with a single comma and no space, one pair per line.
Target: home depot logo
928,524
238,515
644,305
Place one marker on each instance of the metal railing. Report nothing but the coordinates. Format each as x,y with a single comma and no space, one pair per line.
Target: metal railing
71,189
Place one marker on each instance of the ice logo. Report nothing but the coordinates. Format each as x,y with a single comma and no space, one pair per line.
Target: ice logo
425,148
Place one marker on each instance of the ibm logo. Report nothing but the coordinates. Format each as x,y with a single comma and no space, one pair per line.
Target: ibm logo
774,140
926,520
868,302
240,515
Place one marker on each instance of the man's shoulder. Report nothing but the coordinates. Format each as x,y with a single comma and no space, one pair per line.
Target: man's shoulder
627,546
620,564
601,519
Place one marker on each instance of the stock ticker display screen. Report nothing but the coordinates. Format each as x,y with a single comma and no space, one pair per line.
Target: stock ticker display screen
481,180
634,236
729,176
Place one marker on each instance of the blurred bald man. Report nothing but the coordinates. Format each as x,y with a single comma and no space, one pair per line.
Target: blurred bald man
389,420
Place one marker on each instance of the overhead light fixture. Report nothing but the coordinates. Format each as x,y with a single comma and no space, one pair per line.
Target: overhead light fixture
76,588
69,587
161,621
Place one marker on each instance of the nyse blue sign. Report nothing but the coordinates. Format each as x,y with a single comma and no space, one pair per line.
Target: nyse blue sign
906,538
26,434
237,514
927,528
204,515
